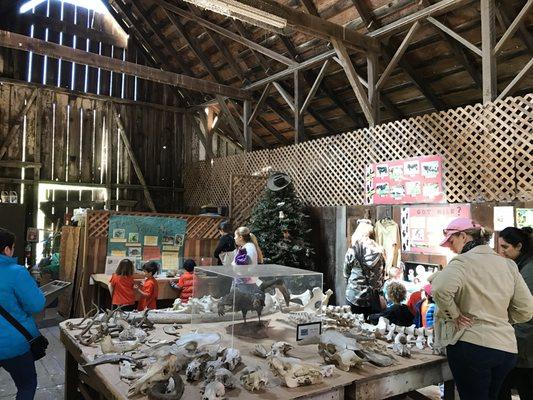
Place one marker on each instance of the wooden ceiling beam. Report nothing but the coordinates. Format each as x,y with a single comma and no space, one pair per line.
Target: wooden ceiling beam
441,7
505,12
469,45
224,32
388,50
38,46
259,105
315,26
511,87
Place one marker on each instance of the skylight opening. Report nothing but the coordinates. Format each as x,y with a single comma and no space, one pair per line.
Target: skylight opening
95,5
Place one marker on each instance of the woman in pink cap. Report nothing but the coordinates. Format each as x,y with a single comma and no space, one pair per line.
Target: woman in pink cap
478,296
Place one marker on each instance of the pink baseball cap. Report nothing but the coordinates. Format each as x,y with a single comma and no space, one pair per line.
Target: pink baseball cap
427,289
457,225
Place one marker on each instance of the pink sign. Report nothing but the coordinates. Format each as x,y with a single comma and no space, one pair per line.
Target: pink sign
409,181
422,226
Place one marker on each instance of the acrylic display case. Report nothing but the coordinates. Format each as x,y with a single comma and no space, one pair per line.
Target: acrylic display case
247,298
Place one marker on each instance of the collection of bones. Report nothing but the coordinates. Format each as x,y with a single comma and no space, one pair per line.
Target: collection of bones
155,368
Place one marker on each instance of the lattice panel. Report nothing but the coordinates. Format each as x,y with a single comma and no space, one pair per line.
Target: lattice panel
487,150
198,227
246,191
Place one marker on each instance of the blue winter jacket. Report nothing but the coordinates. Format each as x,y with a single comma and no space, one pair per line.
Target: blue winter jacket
21,297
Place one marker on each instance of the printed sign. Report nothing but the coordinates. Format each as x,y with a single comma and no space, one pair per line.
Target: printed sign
422,226
308,330
524,217
408,181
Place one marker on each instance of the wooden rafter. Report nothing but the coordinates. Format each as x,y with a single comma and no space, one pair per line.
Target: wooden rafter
315,26
504,12
21,42
388,49
314,87
488,40
399,53
224,32
469,45
260,104
513,27
353,78
517,79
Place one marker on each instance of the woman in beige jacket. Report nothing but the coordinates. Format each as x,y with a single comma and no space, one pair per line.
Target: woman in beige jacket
481,294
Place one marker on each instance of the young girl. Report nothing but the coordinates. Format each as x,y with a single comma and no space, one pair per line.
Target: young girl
397,313
121,286
150,288
248,251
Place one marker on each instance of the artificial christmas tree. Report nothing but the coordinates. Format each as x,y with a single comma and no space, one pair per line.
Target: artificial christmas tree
281,225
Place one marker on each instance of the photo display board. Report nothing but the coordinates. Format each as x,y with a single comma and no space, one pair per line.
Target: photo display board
408,181
143,239
422,226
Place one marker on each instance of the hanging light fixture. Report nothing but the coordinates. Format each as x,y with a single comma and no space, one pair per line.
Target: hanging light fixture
243,12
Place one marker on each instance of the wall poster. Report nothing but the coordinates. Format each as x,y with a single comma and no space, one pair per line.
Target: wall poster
524,217
143,239
422,226
408,181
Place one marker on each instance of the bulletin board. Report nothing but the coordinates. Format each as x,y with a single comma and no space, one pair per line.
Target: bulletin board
422,226
407,181
143,239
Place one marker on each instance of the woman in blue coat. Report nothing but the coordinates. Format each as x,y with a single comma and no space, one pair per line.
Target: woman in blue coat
20,297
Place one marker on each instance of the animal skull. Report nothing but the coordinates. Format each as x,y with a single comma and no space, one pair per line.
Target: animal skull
254,378
260,351
294,373
345,359
280,349
159,371
225,377
194,370
214,391
400,345
211,367
231,358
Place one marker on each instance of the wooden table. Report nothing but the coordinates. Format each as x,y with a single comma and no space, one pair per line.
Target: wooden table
371,382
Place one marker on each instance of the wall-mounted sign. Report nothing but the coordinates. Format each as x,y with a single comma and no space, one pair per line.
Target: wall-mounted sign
422,226
524,217
503,217
408,181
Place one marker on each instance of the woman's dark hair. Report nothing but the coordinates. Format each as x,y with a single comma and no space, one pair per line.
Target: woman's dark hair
225,226
517,236
7,239
151,266
189,265
125,268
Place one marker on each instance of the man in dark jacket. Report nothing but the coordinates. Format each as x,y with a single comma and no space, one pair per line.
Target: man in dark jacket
226,243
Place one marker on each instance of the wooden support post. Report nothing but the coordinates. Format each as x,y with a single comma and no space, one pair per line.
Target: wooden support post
488,37
247,128
298,117
37,157
133,159
353,78
12,135
372,66
109,149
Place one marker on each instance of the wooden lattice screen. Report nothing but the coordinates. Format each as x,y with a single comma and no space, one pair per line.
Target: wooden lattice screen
198,227
488,152
245,192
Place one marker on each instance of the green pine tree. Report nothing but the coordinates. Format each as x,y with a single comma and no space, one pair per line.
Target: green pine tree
282,229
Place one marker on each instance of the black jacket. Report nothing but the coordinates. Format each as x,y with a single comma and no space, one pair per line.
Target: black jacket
225,243
397,314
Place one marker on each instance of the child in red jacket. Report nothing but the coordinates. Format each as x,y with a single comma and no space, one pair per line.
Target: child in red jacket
185,283
121,286
150,288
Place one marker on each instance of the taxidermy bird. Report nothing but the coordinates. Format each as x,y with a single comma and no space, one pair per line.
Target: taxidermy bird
246,297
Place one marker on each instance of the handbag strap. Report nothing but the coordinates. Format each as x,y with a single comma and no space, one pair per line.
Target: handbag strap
16,324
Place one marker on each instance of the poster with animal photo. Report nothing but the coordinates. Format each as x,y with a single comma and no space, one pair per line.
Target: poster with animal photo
408,181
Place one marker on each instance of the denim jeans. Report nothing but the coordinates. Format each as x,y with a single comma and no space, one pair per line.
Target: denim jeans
478,371
22,371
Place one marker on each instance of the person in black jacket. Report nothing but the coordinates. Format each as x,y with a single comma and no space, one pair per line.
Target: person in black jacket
226,243
397,313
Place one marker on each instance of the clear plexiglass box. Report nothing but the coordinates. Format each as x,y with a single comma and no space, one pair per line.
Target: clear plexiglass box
248,297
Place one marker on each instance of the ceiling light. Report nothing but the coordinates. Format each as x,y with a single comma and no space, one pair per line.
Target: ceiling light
243,12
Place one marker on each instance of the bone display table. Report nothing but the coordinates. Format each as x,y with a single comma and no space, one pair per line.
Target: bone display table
370,382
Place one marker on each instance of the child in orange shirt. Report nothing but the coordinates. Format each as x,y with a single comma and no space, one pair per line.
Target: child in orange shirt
185,283
121,286
150,289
